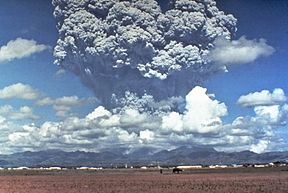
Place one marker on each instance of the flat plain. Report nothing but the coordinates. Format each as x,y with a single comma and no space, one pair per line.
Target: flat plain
245,180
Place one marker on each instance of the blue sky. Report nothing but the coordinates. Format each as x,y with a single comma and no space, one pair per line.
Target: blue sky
256,19
34,20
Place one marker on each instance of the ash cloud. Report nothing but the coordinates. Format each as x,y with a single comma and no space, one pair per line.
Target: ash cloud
118,46
144,60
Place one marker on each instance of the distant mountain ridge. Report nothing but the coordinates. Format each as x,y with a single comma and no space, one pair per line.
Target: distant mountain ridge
143,156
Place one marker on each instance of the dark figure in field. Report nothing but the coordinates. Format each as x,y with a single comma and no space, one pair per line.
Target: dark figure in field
177,170
161,171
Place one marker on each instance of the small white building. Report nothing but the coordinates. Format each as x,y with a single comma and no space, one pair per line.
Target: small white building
259,166
82,168
189,167
21,168
237,166
218,166
54,168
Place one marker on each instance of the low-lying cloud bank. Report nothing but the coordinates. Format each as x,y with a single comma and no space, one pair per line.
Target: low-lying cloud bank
132,126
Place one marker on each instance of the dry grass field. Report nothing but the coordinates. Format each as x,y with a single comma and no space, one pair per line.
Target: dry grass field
148,181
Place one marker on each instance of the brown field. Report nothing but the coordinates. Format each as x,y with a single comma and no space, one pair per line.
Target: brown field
151,181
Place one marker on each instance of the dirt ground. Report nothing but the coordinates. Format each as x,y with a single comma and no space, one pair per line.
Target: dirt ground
150,181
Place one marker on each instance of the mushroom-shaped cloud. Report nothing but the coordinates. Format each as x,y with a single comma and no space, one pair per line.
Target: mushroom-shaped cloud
138,46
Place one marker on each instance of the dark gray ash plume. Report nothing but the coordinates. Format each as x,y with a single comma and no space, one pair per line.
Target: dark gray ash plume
141,46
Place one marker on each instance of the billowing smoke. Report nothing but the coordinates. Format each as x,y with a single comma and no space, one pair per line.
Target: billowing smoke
145,60
140,46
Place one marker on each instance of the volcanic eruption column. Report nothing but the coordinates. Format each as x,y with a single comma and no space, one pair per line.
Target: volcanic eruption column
140,46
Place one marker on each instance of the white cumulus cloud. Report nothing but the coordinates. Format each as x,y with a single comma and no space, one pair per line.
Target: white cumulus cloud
23,112
64,105
135,125
271,113
20,48
240,51
202,114
260,147
263,97
19,91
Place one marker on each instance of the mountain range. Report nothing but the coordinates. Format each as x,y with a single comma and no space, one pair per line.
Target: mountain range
143,156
